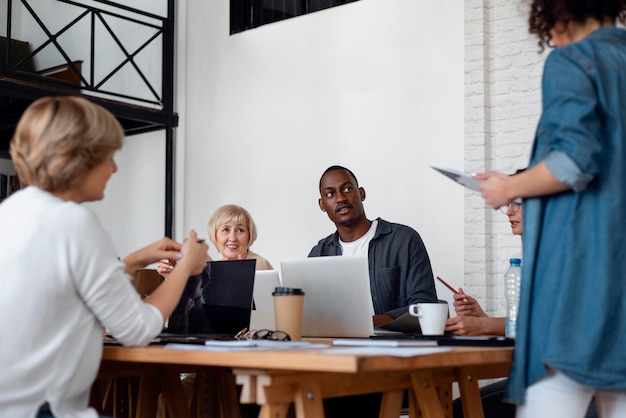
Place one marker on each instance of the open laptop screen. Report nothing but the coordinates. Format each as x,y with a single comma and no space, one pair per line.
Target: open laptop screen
218,301
337,297
228,295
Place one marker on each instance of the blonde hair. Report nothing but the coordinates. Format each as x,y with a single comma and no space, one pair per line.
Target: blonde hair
231,213
59,140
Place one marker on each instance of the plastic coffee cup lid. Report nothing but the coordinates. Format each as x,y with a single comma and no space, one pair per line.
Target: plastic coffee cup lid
282,291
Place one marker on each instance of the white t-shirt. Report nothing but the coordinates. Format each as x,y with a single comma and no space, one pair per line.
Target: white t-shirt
360,246
61,282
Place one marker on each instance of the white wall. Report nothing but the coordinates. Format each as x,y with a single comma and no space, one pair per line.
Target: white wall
133,207
374,85
384,87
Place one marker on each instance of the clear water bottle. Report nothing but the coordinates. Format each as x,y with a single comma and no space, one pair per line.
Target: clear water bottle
512,279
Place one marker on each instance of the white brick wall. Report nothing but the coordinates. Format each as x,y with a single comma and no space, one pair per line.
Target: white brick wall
502,105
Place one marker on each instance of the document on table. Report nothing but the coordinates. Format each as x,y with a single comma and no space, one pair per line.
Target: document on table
394,351
244,345
464,179
368,342
404,323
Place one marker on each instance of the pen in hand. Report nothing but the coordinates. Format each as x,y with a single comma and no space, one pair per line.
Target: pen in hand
447,285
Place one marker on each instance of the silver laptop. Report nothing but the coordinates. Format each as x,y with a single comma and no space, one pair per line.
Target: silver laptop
337,297
265,281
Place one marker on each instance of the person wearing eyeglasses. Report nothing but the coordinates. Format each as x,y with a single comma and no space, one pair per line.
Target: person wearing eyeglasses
470,317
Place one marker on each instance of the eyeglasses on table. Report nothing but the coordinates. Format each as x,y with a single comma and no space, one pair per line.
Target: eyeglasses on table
262,334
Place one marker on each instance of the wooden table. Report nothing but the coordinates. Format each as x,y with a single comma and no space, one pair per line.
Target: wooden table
276,378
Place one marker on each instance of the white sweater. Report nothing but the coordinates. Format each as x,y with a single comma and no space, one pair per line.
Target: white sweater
60,282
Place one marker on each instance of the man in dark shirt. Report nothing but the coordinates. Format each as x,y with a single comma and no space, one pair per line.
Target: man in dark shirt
399,267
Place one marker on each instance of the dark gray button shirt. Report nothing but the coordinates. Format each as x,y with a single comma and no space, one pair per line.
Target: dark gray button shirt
399,267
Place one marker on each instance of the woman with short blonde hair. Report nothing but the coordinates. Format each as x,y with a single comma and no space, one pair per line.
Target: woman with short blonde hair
62,280
235,214
232,230
59,140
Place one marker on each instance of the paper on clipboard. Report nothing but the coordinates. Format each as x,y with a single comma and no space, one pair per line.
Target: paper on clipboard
460,177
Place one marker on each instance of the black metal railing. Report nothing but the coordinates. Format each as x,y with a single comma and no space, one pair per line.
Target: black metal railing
94,67
97,80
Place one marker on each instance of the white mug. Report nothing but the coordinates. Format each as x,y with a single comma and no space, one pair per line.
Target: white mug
432,316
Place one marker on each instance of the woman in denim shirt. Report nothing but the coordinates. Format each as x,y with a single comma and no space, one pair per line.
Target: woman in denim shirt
571,328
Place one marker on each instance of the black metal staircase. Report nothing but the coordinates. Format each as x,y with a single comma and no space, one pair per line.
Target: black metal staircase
104,55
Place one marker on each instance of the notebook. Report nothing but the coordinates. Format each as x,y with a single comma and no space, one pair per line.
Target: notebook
337,299
228,295
265,281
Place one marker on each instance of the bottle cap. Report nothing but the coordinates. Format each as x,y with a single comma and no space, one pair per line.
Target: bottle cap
283,291
515,261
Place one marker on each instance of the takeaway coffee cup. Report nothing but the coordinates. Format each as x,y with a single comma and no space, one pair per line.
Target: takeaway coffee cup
432,317
288,306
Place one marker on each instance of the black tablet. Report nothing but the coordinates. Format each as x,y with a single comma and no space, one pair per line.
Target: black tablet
458,340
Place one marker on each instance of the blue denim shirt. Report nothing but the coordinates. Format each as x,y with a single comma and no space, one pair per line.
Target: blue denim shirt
399,267
574,274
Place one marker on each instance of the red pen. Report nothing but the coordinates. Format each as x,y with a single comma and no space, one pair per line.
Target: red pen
447,285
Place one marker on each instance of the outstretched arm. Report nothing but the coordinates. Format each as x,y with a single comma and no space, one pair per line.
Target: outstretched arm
191,261
499,189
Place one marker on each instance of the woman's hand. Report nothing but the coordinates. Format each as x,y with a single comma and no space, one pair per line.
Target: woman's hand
193,254
163,249
465,325
465,305
472,325
165,267
494,188
190,261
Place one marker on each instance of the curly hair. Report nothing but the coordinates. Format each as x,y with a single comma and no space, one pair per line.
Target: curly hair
545,13
59,140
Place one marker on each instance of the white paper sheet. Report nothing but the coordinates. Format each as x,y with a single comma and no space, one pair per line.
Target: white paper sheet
464,179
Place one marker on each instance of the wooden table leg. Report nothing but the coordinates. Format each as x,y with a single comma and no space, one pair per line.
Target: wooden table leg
470,393
413,408
254,389
173,394
274,411
425,391
308,400
147,397
391,405
227,389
